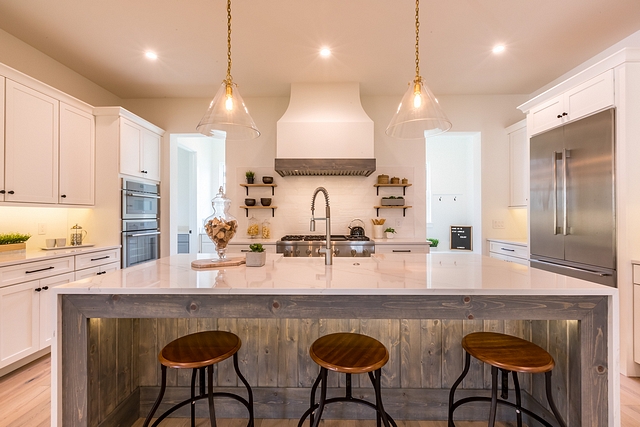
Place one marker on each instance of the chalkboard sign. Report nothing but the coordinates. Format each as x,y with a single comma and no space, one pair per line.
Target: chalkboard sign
461,237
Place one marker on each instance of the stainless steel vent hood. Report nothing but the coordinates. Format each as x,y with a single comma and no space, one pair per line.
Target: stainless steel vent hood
325,131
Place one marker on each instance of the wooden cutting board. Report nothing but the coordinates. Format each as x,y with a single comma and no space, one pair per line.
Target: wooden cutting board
217,263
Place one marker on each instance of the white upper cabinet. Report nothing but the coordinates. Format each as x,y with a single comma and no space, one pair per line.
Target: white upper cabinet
518,164
31,145
139,151
2,189
77,156
593,95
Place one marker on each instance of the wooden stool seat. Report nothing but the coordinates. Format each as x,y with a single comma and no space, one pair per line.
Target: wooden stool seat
200,349
349,353
200,352
509,355
508,352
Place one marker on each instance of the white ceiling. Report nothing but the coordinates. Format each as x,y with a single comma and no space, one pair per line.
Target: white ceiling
276,42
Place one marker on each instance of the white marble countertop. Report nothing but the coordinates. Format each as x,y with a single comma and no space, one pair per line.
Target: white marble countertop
21,257
408,274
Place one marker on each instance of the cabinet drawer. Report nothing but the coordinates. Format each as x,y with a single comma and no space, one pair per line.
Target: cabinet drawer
636,274
508,258
406,249
35,270
97,270
509,250
94,259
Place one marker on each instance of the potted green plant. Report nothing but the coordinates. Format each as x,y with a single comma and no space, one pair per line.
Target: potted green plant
393,201
434,243
13,241
389,232
257,257
250,176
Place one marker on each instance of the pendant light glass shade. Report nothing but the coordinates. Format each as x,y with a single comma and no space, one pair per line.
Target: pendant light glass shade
227,116
419,115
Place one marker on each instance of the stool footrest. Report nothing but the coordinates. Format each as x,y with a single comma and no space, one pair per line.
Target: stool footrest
344,399
500,402
195,399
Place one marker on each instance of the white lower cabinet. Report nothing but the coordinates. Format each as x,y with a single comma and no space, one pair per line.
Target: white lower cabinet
19,321
636,313
47,306
406,248
509,251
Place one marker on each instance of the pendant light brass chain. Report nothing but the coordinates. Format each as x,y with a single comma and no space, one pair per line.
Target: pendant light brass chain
417,39
229,42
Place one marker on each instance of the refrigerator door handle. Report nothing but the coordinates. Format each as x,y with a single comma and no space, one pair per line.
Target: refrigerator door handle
556,157
565,221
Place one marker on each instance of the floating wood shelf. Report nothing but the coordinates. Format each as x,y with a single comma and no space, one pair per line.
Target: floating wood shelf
404,187
246,186
404,208
246,208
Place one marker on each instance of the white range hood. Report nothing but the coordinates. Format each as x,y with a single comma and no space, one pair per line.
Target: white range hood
325,131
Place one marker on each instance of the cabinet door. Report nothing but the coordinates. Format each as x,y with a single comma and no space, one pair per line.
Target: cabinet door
151,155
47,319
546,115
31,145
590,96
97,271
2,188
77,156
518,168
19,322
130,148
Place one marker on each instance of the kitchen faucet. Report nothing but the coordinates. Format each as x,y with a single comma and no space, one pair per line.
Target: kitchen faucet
312,226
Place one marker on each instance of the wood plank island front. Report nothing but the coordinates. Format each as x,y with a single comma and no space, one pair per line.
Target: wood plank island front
111,328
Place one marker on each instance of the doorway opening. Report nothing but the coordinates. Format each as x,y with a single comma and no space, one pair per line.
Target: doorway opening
197,165
453,187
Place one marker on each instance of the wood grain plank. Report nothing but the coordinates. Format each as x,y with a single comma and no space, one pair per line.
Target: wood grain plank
559,350
93,370
268,354
74,364
475,377
411,353
167,332
288,352
452,353
148,352
135,351
432,353
108,367
225,372
498,327
124,359
540,337
307,370
248,355
575,372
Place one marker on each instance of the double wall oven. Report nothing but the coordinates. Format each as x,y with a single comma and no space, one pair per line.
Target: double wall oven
140,222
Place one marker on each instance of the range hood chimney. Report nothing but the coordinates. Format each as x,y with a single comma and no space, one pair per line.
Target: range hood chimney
325,131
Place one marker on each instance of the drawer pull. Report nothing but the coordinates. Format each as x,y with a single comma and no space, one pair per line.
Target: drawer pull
401,250
45,288
42,269
101,272
245,250
103,257
508,250
37,289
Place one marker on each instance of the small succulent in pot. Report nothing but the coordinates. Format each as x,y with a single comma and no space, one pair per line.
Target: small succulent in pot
256,247
250,176
434,242
257,257
389,232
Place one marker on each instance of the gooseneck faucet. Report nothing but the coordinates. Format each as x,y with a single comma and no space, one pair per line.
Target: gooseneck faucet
328,260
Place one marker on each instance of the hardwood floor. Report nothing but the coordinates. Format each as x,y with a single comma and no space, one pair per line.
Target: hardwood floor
25,401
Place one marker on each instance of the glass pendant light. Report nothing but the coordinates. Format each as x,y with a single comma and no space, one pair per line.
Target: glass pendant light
419,114
227,116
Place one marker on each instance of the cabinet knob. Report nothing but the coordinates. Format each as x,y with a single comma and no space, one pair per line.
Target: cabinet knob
564,114
38,289
45,288
559,116
2,191
63,196
11,192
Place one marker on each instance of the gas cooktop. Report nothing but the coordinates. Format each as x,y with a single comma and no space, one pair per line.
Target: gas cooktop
321,238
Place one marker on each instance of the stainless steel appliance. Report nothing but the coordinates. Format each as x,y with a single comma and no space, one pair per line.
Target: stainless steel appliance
310,245
140,241
140,222
140,200
572,200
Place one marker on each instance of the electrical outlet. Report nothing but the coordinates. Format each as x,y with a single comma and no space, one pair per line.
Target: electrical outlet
497,223
398,222
42,228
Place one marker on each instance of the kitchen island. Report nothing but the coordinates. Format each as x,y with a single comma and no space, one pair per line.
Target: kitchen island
111,327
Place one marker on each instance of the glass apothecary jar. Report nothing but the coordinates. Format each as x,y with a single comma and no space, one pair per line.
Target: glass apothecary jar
253,228
221,226
266,229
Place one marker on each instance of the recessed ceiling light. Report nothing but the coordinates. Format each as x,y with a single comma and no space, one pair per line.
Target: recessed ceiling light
498,49
325,51
151,55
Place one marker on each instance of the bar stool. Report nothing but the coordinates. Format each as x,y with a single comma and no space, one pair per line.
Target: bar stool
349,354
199,351
509,354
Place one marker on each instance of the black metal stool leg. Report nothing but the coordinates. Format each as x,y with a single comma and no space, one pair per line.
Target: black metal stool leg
163,386
379,406
193,397
312,400
465,371
516,386
494,396
556,413
212,410
323,397
246,384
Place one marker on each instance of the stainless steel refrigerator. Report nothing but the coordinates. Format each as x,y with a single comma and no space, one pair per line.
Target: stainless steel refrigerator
572,200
